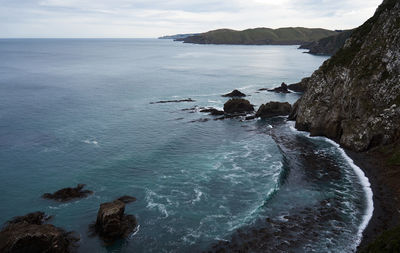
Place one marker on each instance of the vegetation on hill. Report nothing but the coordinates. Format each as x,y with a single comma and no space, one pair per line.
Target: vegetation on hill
261,36
177,36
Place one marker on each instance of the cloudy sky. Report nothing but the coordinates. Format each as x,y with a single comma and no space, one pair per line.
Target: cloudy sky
153,18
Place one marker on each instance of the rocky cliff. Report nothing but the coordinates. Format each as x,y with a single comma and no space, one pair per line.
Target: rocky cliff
329,45
354,97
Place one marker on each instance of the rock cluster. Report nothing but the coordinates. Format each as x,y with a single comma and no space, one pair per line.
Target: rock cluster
69,193
282,89
29,234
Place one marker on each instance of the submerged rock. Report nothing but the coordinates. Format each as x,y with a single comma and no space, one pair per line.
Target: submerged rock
127,199
69,193
29,234
112,223
238,105
235,93
213,111
273,109
282,89
173,101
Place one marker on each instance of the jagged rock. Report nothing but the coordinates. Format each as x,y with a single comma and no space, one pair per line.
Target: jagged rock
282,89
238,105
273,109
29,234
213,111
69,193
235,93
354,97
112,223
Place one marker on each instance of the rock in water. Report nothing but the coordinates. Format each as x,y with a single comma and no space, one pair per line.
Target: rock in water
235,93
282,89
212,111
32,218
29,234
69,193
238,105
273,109
354,97
112,223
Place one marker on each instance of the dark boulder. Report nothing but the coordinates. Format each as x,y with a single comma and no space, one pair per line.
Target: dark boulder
273,109
112,223
213,111
235,93
238,105
69,193
29,234
282,89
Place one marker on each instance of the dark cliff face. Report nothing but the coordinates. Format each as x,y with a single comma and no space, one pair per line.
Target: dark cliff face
329,45
354,97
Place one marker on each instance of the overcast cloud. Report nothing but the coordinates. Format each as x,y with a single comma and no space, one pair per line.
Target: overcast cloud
153,18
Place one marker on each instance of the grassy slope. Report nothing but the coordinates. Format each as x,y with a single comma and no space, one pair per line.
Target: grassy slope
260,36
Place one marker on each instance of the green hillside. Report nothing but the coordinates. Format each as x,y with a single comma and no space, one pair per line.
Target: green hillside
261,36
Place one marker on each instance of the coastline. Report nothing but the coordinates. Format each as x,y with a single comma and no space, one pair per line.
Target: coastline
386,206
386,214
365,230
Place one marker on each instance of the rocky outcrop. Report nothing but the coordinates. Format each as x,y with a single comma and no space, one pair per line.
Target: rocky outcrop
29,234
238,105
329,45
282,89
300,86
69,193
273,109
112,223
235,93
354,97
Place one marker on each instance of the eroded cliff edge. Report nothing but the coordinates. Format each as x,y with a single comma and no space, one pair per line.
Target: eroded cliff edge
354,97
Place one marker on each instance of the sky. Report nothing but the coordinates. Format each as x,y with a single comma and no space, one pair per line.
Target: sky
154,18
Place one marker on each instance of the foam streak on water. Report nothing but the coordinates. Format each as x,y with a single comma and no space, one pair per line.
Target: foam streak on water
362,177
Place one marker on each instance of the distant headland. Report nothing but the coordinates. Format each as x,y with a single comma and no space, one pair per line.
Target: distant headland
319,41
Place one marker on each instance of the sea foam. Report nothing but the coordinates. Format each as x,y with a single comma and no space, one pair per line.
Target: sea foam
366,185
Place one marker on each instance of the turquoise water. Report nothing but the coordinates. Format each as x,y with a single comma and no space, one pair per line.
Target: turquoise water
78,111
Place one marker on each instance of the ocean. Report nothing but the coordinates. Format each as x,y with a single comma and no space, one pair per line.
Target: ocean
80,111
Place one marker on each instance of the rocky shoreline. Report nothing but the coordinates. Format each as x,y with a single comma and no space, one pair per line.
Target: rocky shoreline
386,203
